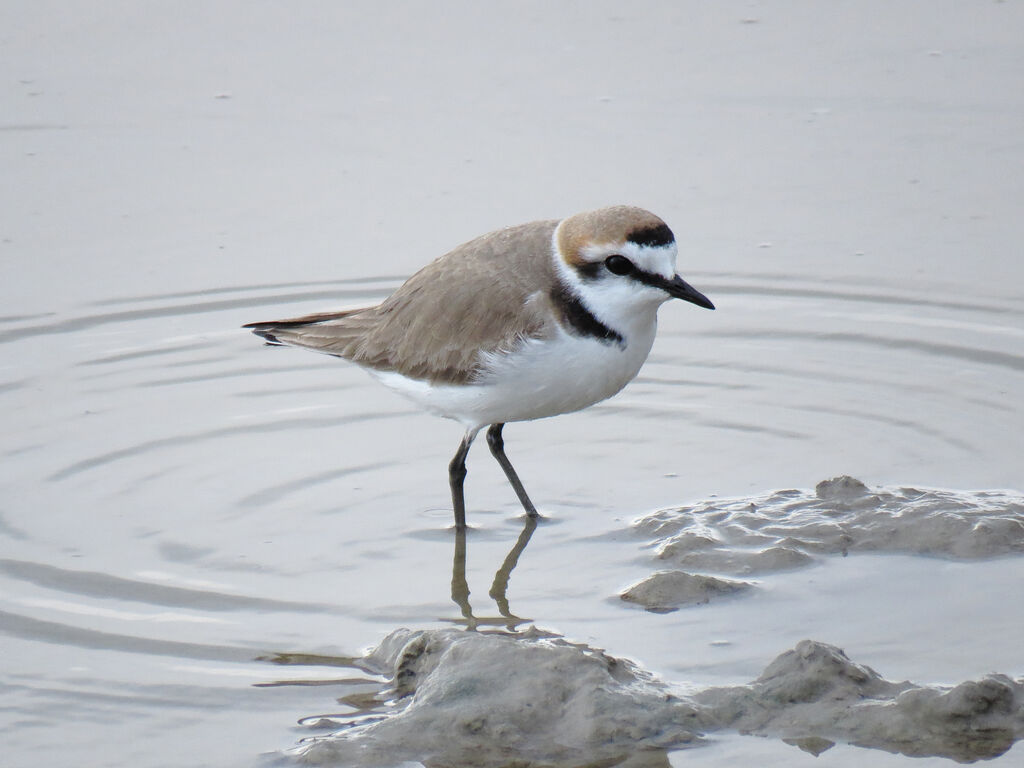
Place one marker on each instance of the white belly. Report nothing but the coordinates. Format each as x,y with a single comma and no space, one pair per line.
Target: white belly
542,378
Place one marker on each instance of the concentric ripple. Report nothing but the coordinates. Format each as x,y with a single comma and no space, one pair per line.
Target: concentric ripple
180,502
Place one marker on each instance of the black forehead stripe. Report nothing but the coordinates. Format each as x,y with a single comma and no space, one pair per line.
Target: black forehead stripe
652,236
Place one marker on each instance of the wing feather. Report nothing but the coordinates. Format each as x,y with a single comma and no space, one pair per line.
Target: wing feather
486,296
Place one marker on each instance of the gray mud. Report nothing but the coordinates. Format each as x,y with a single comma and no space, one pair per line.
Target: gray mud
788,529
669,590
486,699
791,529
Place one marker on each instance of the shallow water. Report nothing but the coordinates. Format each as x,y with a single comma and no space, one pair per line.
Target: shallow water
189,502
183,509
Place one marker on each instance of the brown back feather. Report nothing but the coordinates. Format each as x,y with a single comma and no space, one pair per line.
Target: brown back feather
435,326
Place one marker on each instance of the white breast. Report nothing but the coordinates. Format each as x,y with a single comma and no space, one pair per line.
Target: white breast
541,378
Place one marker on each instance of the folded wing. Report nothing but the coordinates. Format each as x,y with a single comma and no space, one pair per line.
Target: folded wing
439,325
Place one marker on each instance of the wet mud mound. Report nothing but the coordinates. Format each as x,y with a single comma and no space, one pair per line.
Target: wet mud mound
475,699
469,699
790,529
813,696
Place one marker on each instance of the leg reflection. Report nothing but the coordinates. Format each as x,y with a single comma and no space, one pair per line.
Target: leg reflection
499,587
460,587
500,584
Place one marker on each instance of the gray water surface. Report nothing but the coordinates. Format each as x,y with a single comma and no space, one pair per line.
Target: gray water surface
181,506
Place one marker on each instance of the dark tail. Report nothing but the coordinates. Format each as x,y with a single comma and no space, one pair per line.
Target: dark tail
266,332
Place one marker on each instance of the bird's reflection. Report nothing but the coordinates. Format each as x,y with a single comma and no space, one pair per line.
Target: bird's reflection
499,587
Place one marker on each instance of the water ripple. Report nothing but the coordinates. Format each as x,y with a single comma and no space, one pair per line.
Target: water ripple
212,434
143,353
971,354
105,586
384,280
869,298
37,630
85,322
274,494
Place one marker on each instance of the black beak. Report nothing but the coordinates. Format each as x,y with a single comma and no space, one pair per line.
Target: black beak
678,288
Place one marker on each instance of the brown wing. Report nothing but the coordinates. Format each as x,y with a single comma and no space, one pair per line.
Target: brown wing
486,295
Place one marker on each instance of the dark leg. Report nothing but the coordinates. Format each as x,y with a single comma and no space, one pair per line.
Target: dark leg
497,446
456,475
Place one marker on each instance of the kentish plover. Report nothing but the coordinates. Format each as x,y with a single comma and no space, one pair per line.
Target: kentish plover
526,322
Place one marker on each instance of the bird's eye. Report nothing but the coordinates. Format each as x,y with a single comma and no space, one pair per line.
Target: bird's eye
618,264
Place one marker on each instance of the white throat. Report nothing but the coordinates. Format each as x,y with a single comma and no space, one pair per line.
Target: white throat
627,307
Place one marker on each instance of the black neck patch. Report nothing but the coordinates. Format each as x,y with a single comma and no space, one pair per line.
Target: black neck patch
580,320
652,236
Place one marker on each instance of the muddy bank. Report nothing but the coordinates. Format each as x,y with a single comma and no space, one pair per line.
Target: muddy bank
535,699
790,529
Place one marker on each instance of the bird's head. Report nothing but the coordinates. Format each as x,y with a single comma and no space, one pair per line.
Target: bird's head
622,260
